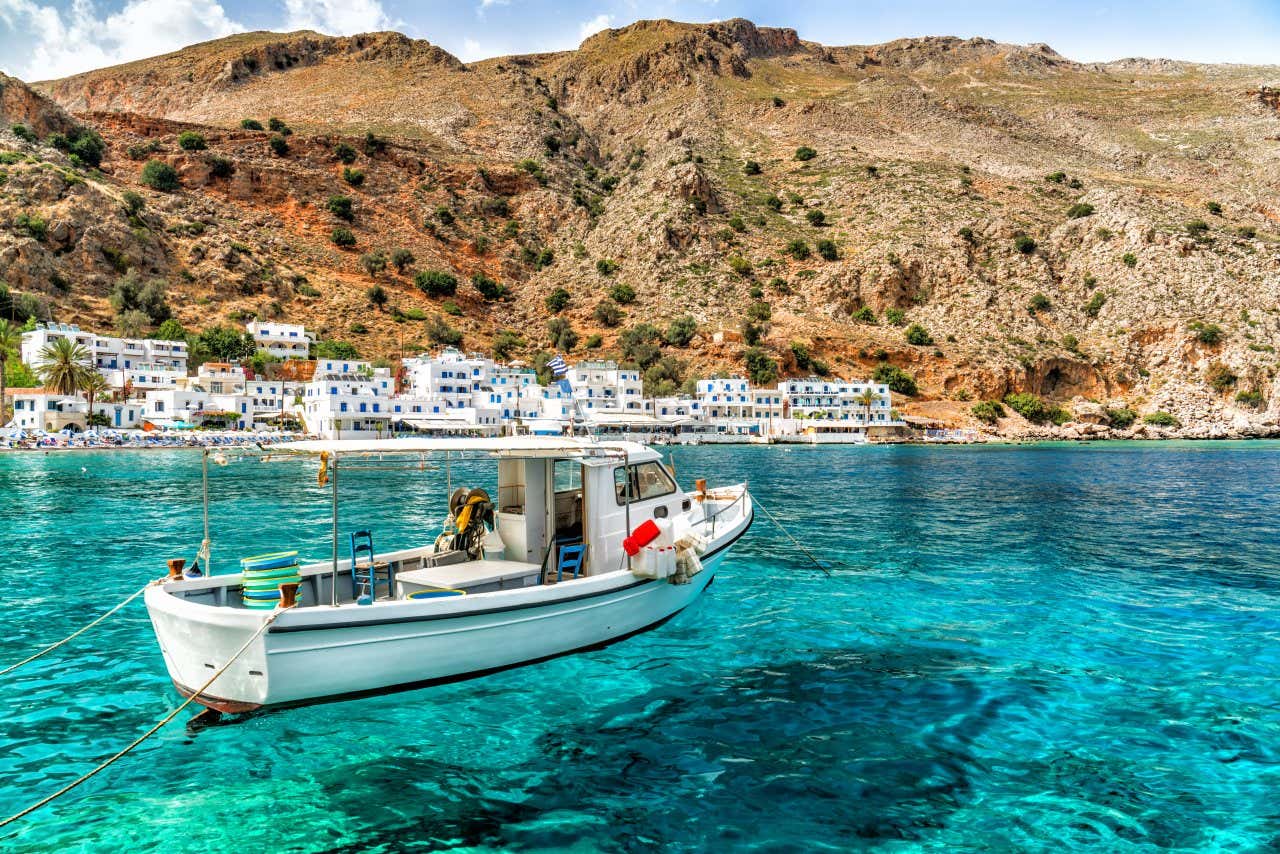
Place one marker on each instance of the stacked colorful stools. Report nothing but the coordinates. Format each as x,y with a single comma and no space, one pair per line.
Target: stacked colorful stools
263,575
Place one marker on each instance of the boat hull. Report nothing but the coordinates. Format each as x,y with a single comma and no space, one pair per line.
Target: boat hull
321,653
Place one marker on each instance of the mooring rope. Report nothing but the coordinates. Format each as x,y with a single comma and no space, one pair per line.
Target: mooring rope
74,634
799,545
107,763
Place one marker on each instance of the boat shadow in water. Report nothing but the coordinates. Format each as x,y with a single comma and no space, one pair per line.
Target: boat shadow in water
866,743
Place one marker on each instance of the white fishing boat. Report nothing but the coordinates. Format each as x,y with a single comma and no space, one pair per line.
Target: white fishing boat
583,543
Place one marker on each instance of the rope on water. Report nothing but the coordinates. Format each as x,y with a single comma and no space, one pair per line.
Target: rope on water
73,635
106,763
755,501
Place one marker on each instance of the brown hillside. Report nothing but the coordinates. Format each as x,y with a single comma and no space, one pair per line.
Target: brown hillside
1038,217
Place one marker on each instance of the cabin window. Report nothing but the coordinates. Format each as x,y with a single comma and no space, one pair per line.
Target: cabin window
644,481
568,475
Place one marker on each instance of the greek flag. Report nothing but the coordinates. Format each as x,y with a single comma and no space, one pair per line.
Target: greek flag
558,366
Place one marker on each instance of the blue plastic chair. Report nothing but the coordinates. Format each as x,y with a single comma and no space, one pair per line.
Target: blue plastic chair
365,574
570,559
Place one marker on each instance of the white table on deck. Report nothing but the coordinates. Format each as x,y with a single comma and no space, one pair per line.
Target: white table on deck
473,573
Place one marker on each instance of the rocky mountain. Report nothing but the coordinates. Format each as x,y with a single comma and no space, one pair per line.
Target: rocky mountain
986,218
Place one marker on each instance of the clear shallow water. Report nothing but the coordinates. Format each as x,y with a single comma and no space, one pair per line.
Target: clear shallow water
1030,648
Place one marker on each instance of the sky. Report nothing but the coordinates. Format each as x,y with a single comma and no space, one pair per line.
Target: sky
42,39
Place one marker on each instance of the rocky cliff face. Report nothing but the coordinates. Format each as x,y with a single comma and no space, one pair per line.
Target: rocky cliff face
20,105
1103,236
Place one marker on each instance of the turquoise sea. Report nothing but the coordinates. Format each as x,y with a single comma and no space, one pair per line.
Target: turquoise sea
1035,648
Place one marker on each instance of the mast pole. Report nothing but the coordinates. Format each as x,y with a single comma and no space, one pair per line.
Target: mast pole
333,588
204,489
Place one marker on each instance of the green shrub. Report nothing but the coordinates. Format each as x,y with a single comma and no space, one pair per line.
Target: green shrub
762,369
1248,232
816,217
777,101
277,125
1070,343
374,262
436,283
760,311
488,288
773,203
373,145
1161,419
736,223
1121,418
36,227
827,250
607,313
594,341
354,177
1197,228
220,167
377,296
160,176
751,168
1206,333
451,308
680,331
1080,210
251,124
740,265
622,293
1252,399
342,237
606,266
1095,304
640,344
966,234
895,316
1028,405
1214,208
1024,244
341,207
441,333
344,153
1056,177
804,153
357,328
798,250
1038,303
1220,377
24,133
895,378
143,150
918,335
130,293
505,344
988,411
189,140
133,203
557,301
443,214
279,145
865,315
402,259
333,349
1129,259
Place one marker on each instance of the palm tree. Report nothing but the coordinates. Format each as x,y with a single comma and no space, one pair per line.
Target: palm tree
866,399
64,366
94,385
10,340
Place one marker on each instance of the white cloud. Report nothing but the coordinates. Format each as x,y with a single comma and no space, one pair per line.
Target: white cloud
485,5
40,41
471,51
589,28
337,17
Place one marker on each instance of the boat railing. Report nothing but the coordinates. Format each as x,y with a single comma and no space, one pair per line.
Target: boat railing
720,511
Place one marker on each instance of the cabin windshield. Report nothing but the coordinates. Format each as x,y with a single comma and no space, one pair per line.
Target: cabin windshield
642,481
